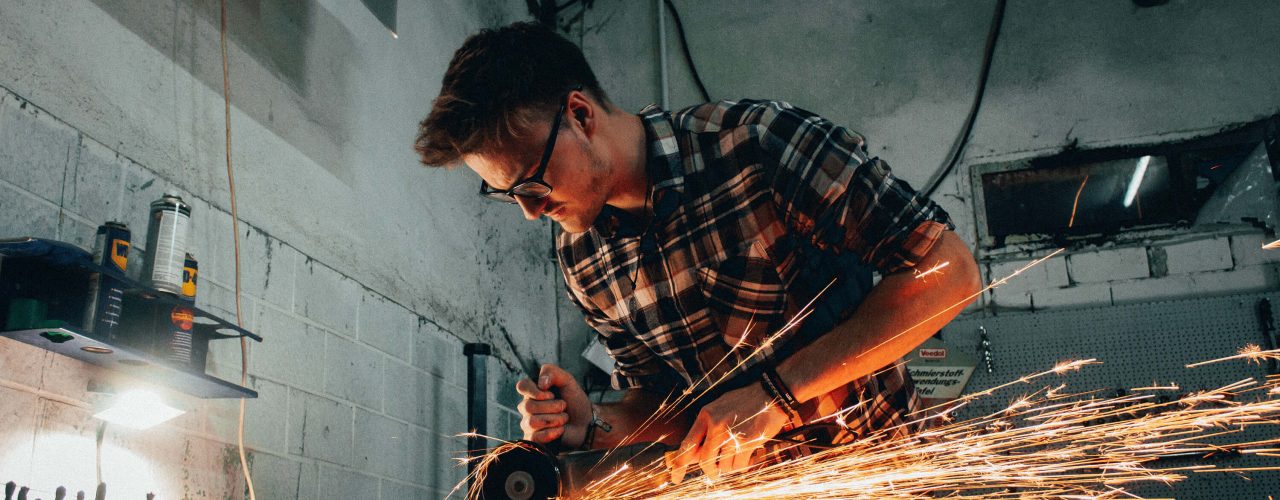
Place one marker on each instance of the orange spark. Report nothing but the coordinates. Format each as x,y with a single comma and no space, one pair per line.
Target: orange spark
932,270
1250,352
1076,204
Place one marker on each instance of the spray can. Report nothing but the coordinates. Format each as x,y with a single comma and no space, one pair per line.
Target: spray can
167,243
106,292
182,317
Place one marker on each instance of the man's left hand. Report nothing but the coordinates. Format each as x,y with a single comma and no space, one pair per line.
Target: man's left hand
727,432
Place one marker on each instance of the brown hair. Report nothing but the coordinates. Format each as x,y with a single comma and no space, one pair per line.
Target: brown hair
499,83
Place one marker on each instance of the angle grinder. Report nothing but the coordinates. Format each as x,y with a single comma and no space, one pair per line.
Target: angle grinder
524,470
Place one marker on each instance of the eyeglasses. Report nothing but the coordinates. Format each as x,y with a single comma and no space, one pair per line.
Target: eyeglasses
532,187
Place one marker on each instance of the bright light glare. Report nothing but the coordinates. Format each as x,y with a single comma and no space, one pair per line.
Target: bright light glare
138,409
1138,173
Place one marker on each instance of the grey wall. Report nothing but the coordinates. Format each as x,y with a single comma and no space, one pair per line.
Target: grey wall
364,272
1085,73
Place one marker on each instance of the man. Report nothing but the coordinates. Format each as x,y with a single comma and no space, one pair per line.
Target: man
691,241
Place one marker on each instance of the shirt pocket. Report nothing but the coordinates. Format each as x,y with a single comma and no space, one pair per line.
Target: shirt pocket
744,295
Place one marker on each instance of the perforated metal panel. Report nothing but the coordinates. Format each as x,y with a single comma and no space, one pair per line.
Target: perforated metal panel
1138,344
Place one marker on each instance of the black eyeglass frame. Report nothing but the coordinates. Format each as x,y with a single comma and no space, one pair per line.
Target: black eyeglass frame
533,187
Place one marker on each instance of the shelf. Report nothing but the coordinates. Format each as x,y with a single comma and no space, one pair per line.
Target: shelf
74,344
56,271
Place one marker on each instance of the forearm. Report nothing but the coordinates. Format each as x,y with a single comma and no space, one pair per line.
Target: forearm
636,419
897,315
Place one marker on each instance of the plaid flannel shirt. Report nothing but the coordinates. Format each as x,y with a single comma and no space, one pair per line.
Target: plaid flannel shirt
759,210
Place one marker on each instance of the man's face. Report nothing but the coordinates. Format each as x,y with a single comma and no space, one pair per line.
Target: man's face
578,179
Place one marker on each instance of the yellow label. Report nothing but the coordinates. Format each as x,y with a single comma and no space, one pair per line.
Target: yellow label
189,281
120,253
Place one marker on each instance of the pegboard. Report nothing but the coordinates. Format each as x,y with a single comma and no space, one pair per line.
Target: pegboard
1138,344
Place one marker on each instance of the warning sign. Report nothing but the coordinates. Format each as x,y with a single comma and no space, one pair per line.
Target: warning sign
940,372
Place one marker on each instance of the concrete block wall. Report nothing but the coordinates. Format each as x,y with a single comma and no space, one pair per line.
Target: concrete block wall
359,396
1207,264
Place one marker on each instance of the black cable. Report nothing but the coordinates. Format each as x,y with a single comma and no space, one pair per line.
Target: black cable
963,139
684,45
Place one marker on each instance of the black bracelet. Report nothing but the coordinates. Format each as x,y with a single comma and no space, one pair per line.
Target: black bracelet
779,391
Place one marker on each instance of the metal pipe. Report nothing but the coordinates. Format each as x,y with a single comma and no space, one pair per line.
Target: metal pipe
477,405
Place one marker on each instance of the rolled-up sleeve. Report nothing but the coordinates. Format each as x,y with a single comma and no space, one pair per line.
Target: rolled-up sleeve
829,189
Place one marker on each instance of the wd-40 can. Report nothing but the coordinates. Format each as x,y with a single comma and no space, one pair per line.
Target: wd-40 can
182,318
167,243
190,270
106,292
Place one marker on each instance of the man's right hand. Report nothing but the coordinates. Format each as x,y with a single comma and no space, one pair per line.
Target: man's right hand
554,407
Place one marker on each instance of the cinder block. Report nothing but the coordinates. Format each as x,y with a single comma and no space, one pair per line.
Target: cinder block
320,428
1018,277
1212,254
266,264
326,297
341,484
76,231
265,417
1108,265
412,395
386,325
269,267
353,372
451,472
391,490
26,215
96,186
280,477
35,149
141,187
1246,250
22,363
1072,296
220,300
1243,280
438,352
68,377
210,241
18,413
390,448
290,351
451,418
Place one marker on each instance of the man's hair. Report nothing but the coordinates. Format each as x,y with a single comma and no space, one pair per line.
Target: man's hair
498,84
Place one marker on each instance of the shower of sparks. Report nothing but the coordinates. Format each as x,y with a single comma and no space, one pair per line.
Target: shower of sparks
1076,204
933,269
1050,444
1271,246
624,485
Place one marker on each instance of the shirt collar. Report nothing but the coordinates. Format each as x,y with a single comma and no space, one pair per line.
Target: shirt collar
666,175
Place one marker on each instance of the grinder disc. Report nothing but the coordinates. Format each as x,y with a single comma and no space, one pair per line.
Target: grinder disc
525,471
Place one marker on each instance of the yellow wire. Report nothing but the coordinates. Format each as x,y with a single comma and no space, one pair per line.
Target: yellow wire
235,238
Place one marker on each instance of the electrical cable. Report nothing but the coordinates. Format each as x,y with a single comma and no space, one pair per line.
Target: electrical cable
235,238
958,147
688,58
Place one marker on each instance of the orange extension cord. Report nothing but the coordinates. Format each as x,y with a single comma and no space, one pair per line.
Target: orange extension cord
235,238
